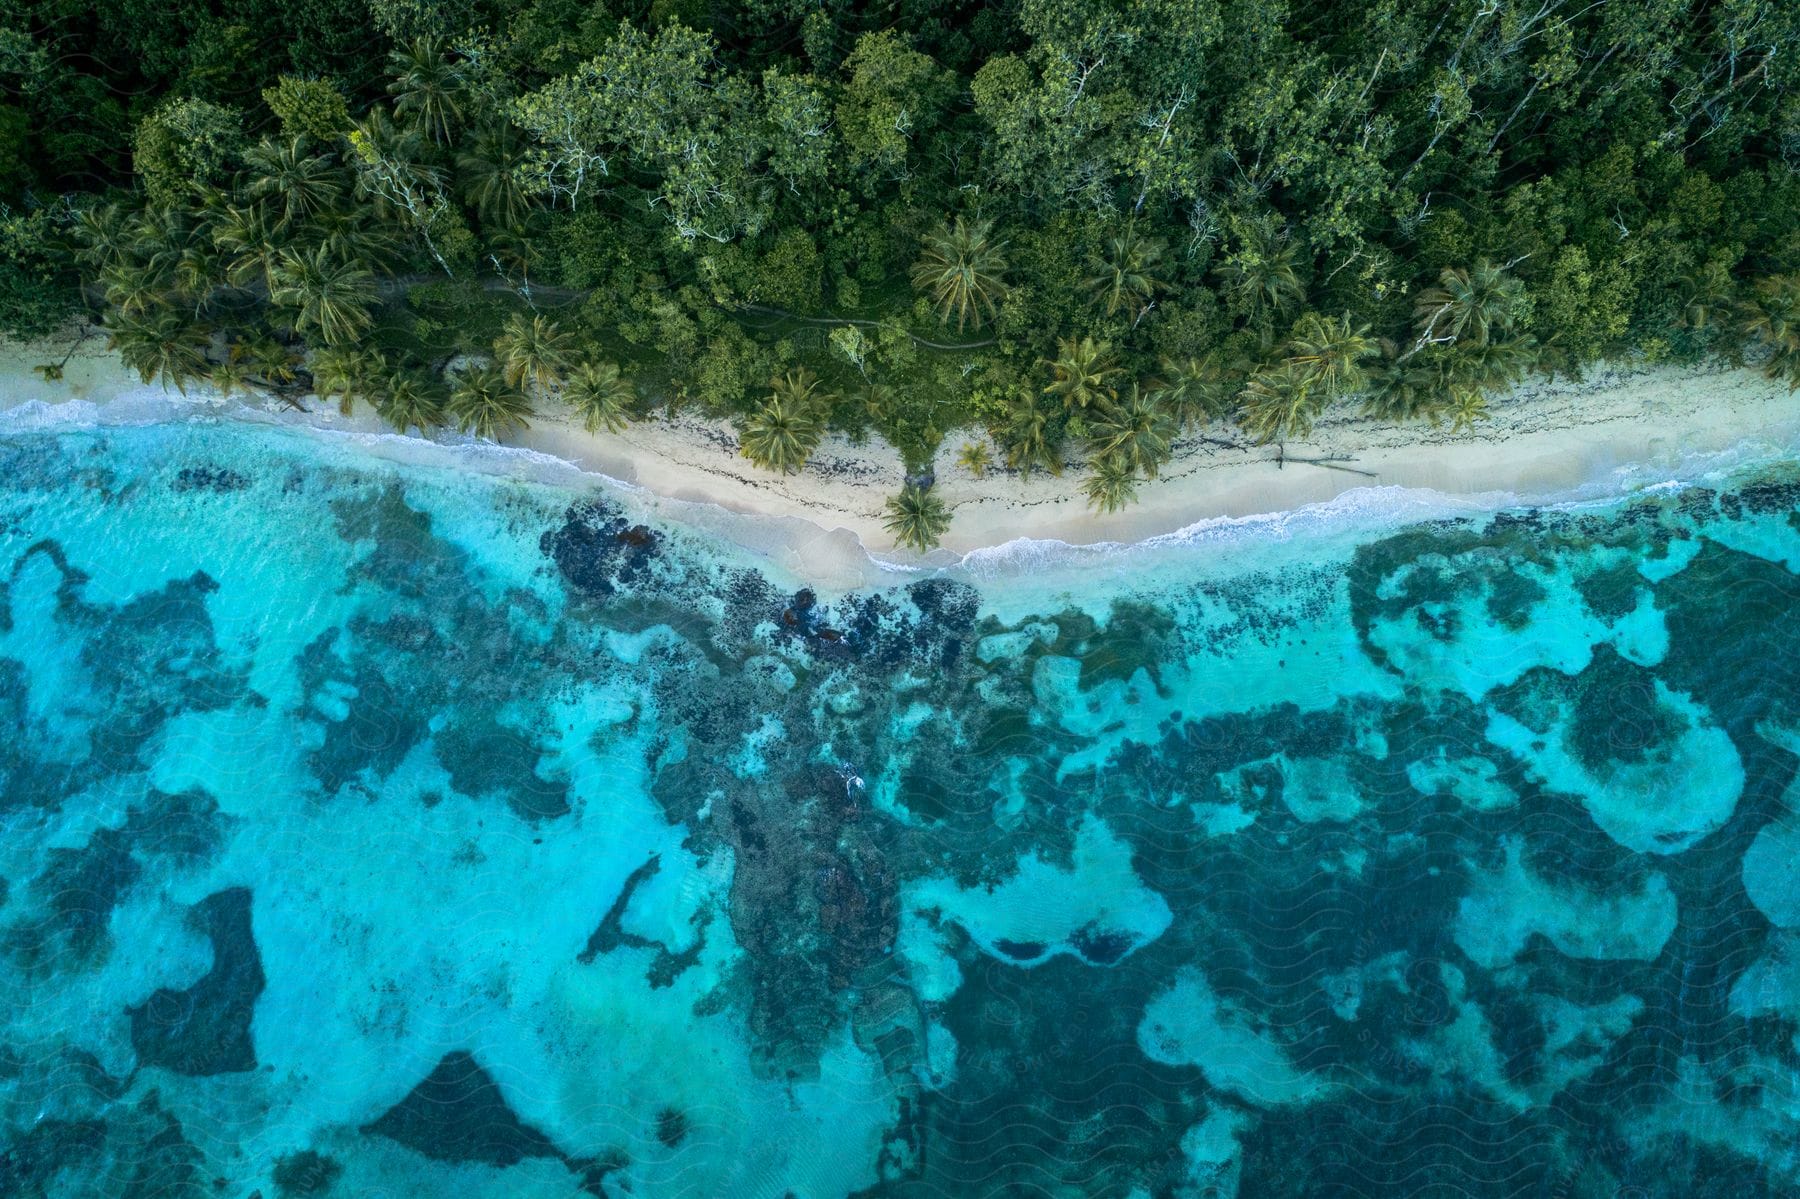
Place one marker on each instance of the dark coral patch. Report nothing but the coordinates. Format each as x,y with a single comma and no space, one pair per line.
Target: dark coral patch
457,1114
597,550
205,1029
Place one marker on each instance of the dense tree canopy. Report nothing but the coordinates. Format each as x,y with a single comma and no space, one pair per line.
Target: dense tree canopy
1083,224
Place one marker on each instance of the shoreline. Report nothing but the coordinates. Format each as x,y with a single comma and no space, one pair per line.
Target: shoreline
1621,429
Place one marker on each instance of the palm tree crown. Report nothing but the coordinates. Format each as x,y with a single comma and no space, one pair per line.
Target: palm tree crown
1130,273
300,183
961,269
427,88
1082,373
1469,304
917,518
1330,353
533,350
327,296
486,403
1135,431
601,395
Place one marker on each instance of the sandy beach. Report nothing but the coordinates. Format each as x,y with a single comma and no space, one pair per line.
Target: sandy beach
1617,429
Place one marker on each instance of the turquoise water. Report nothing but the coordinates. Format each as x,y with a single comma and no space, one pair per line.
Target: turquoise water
371,829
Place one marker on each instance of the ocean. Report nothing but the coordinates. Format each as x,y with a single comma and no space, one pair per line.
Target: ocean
373,827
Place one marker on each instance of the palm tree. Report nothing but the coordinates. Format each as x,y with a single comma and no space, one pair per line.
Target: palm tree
163,344
917,518
533,350
1330,354
300,184
1135,431
426,88
1467,406
327,296
344,373
349,235
1196,390
1706,295
103,235
485,167
1771,319
782,434
411,402
975,458
1111,484
1263,276
135,287
1279,402
228,377
1469,305
487,403
1402,386
1130,273
802,389
1029,444
1082,373
251,238
266,359
601,395
961,269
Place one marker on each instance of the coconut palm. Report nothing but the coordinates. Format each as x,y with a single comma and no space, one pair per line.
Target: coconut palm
802,389
297,183
1771,315
1082,374
250,239
1706,295
1196,390
228,377
601,395
1135,431
916,518
345,373
1263,276
487,403
348,235
782,433
1330,354
135,287
1111,484
161,344
1130,273
326,296
103,235
1279,402
961,269
1402,386
409,401
1469,305
267,359
975,458
1028,438
532,350
1467,406
427,88
486,174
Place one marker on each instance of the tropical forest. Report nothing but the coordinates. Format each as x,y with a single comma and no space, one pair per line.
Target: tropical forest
1055,233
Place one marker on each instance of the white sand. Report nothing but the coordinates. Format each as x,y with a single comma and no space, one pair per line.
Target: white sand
1617,430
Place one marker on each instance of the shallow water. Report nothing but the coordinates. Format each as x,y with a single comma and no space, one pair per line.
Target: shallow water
374,829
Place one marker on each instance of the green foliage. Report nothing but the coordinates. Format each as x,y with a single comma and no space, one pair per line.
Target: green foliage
891,92
601,396
185,145
36,295
310,108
